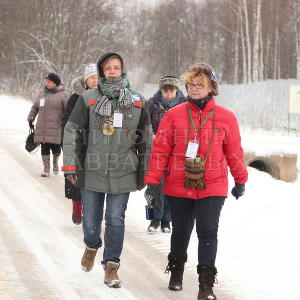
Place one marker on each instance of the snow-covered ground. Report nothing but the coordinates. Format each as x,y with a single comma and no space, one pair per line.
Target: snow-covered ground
41,249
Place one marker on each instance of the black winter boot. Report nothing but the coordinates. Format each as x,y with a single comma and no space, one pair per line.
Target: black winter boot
153,226
176,266
207,279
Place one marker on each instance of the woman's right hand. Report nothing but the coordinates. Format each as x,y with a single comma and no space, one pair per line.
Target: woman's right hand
72,178
151,193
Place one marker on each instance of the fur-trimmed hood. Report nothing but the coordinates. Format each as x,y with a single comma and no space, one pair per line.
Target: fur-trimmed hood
77,85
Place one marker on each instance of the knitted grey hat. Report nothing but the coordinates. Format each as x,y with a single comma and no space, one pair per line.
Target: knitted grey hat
209,72
90,70
169,80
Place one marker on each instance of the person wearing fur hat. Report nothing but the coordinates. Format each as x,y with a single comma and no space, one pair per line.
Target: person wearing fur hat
194,145
118,146
49,107
169,95
79,84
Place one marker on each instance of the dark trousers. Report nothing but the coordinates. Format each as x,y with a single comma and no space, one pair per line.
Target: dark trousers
161,210
55,148
206,212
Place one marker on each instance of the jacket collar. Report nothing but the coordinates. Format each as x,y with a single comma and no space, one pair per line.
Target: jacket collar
208,107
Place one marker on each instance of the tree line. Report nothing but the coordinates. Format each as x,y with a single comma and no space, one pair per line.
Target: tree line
244,40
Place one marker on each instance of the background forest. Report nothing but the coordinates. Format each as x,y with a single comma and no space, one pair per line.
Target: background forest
244,40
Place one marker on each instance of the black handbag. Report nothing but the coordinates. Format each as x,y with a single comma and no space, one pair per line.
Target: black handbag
30,145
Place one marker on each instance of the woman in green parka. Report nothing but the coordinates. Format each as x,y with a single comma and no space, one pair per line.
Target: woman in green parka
113,126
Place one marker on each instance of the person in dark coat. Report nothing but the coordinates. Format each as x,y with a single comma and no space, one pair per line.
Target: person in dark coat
169,95
78,84
195,144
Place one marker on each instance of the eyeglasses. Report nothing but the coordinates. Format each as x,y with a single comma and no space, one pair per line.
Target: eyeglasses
197,86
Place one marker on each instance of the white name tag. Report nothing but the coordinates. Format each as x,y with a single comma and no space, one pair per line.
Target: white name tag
118,119
42,102
192,150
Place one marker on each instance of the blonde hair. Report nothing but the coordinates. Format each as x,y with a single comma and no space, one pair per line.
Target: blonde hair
190,75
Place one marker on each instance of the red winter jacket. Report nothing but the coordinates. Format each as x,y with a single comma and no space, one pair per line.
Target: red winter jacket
170,144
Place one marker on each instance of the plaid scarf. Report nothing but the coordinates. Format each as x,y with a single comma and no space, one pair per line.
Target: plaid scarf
113,89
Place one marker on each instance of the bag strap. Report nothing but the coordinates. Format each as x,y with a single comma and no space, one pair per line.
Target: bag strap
190,119
35,151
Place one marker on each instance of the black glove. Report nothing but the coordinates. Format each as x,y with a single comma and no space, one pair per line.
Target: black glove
140,186
31,126
238,190
151,193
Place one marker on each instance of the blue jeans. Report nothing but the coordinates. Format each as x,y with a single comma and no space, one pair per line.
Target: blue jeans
116,205
161,206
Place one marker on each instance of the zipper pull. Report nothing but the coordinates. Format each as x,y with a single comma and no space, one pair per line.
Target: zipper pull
199,115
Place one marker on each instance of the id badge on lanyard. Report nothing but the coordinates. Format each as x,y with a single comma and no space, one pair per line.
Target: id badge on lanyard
192,149
118,119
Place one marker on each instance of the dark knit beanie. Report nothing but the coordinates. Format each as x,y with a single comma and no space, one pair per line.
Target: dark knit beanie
209,72
54,78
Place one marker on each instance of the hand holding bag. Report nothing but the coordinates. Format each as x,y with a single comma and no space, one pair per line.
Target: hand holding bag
30,145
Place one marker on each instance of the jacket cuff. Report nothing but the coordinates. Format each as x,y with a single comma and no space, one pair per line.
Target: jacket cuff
70,169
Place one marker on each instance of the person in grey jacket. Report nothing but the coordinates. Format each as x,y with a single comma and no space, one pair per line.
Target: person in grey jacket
115,124
50,107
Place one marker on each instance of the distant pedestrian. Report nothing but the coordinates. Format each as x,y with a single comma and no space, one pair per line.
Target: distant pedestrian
169,95
119,139
79,84
194,145
50,107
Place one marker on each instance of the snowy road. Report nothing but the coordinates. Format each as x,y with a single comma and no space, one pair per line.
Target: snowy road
41,249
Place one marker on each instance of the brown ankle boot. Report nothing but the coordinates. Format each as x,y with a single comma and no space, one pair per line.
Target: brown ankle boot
88,258
207,279
176,267
111,277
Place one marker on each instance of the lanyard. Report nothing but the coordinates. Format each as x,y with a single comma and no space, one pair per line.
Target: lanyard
108,91
165,110
104,86
193,123
213,126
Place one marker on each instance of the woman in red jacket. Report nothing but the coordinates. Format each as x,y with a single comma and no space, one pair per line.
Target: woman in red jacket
195,144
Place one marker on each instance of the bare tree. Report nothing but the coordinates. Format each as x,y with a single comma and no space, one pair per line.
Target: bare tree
256,66
245,40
